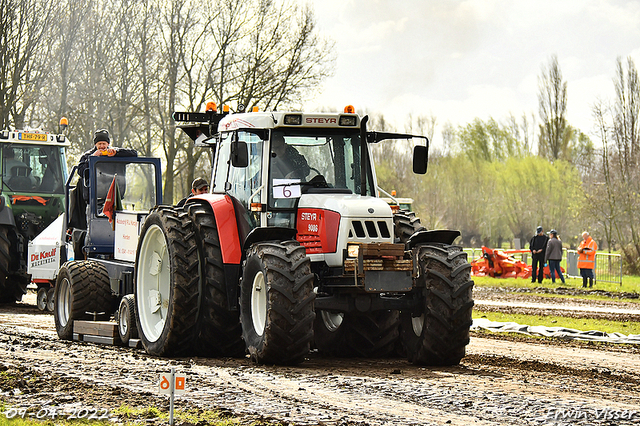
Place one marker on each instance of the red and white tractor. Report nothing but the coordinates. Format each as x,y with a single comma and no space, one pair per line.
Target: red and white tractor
292,249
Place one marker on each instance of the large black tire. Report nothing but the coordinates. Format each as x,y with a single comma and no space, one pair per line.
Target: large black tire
405,224
276,303
369,335
127,328
439,336
12,286
167,284
219,330
82,288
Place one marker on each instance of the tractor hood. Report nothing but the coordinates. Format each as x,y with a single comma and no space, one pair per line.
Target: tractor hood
349,206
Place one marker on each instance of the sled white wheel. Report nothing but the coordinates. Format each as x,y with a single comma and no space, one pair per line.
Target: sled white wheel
259,304
126,319
153,283
41,298
63,307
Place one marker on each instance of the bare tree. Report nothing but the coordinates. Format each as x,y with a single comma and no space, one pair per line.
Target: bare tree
24,55
555,133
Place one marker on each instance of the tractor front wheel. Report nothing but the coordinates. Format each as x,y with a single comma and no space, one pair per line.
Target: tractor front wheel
276,303
439,335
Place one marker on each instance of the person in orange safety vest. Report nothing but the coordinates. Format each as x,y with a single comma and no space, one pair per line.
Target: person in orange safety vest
587,258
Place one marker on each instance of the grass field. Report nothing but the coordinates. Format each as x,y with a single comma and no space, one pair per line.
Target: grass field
630,284
583,324
126,414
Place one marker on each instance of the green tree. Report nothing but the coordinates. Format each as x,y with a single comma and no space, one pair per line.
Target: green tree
535,192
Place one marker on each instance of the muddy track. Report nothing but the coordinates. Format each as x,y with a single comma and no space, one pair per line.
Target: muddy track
499,382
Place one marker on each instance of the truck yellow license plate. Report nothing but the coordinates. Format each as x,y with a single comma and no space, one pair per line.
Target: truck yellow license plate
32,137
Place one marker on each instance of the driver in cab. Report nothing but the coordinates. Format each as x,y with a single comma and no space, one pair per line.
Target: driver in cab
286,161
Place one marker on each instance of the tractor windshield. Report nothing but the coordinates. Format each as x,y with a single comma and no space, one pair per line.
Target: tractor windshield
32,168
328,162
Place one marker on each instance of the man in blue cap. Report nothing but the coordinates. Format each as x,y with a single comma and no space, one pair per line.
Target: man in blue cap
538,246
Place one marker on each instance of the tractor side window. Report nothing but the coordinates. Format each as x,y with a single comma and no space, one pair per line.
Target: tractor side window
222,163
141,191
135,191
245,182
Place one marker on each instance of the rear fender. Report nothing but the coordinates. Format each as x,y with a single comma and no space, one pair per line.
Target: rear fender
444,236
224,213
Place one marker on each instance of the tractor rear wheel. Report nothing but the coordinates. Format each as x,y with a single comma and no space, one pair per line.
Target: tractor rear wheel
12,285
440,334
355,334
276,303
167,285
219,329
82,288
405,224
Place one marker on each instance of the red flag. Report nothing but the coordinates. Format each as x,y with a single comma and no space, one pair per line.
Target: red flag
109,208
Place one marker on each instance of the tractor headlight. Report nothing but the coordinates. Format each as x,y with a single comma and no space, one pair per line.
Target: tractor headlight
352,250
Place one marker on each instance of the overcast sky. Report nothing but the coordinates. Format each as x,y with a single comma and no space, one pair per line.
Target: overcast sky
459,60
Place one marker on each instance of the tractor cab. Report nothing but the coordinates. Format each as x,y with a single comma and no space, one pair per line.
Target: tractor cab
32,175
311,173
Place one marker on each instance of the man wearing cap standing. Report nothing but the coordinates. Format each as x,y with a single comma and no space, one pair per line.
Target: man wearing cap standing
101,141
538,246
199,186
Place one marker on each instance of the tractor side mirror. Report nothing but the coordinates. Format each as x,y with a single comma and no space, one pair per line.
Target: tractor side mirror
239,154
420,159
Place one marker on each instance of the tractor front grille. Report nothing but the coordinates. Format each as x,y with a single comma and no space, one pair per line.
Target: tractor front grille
369,230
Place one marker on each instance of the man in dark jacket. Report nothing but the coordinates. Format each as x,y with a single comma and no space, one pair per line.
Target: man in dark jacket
554,256
101,141
538,246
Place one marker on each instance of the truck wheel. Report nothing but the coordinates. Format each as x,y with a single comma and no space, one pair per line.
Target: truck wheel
51,299
167,286
82,286
6,293
276,303
405,224
12,285
439,335
127,319
41,298
219,329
